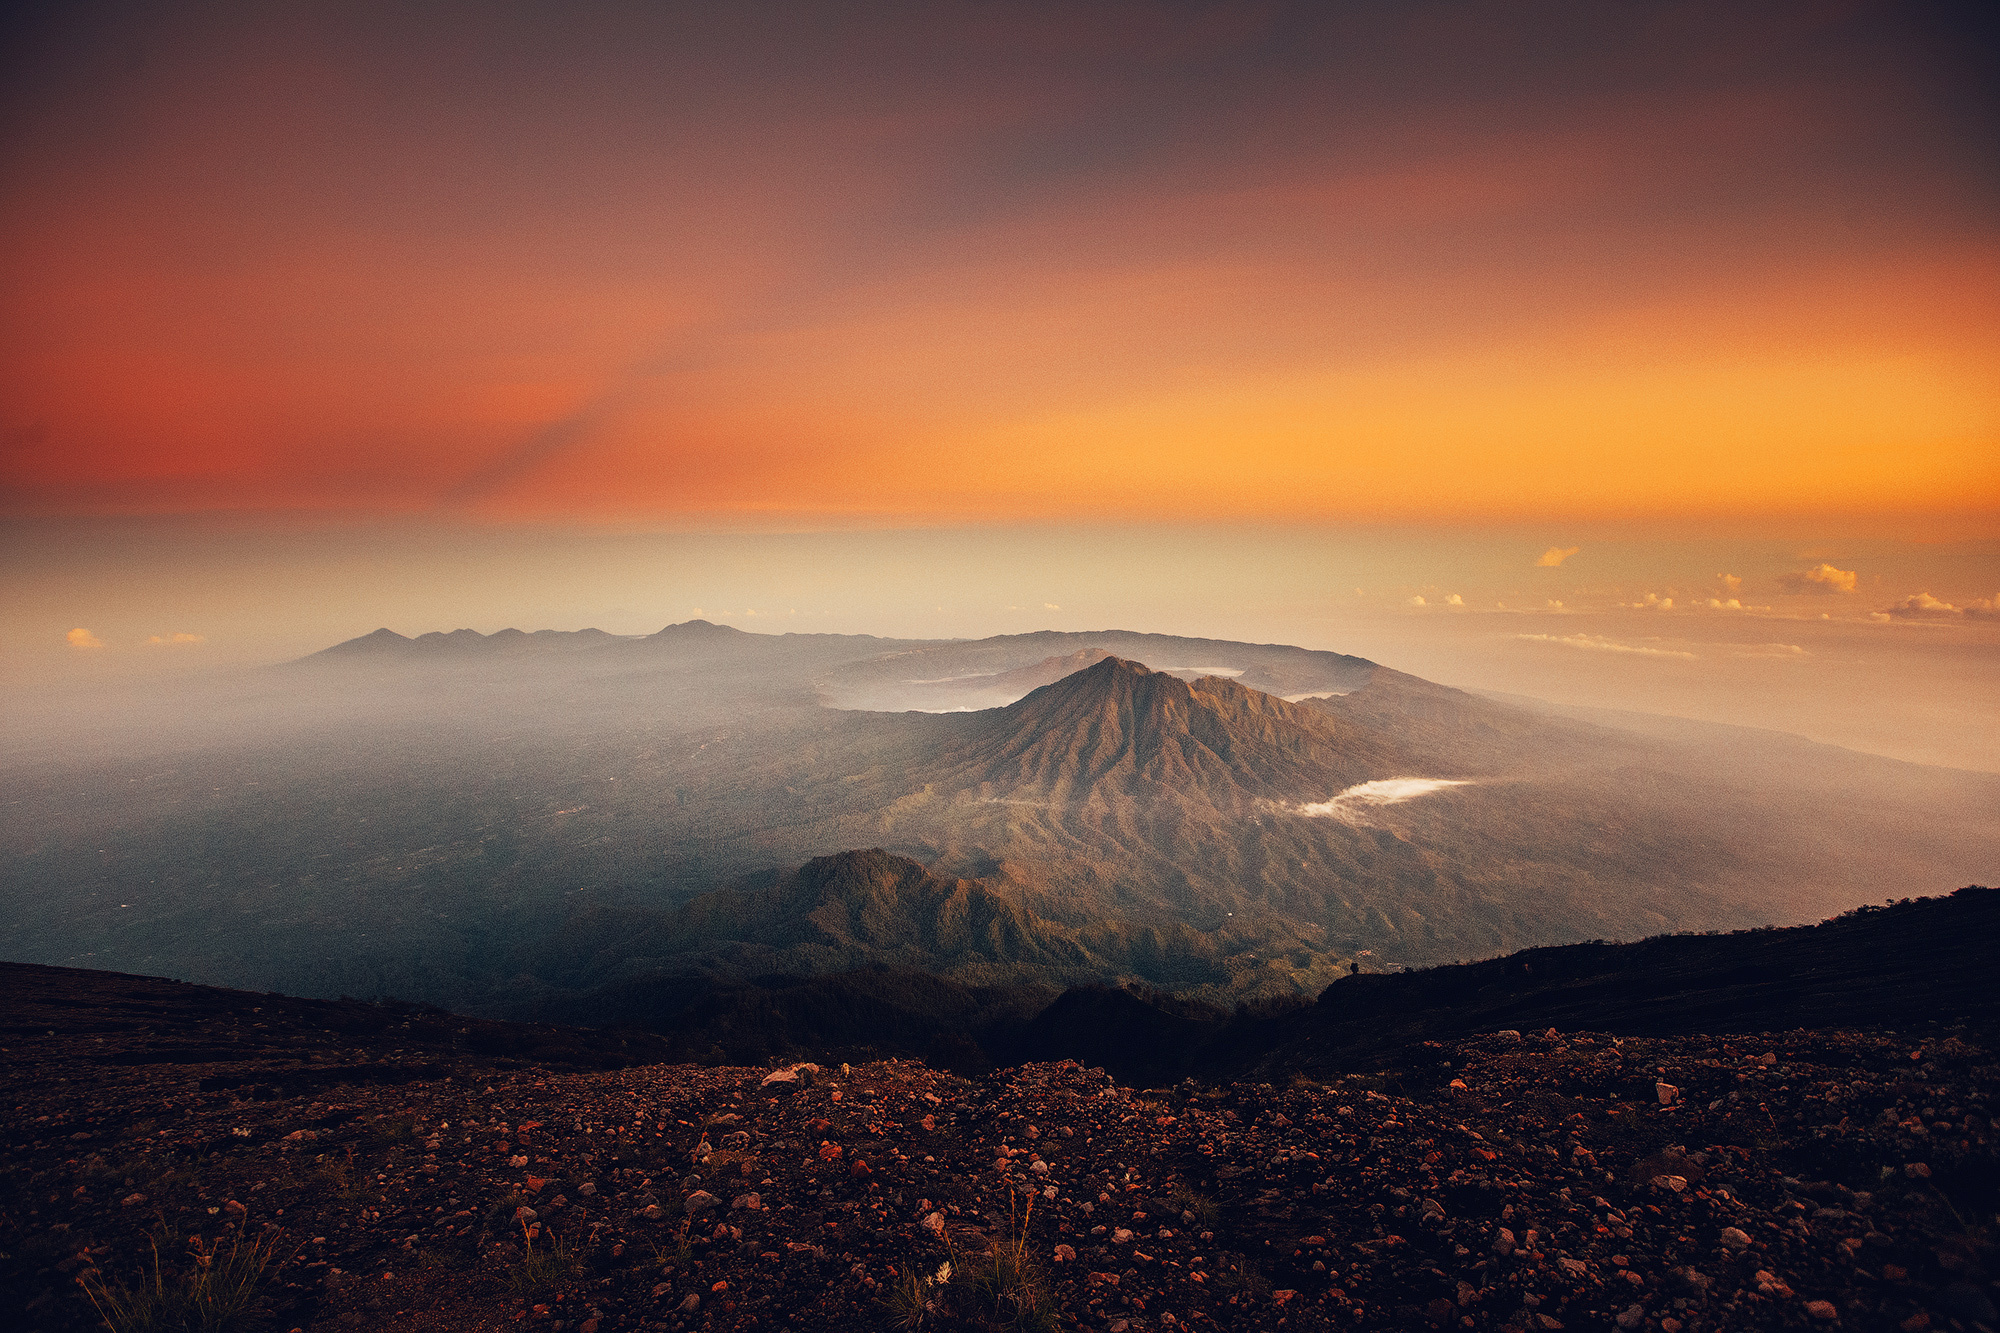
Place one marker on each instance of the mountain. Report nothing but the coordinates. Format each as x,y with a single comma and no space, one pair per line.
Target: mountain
870,908
475,824
385,645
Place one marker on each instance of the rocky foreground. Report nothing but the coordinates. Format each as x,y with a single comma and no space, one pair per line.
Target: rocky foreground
1809,1179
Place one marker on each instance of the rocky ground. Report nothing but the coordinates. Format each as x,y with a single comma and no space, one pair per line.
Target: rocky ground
1808,1179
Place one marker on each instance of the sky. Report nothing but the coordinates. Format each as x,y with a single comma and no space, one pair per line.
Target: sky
1261,318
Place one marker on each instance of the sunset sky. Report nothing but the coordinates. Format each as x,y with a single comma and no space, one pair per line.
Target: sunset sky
1401,295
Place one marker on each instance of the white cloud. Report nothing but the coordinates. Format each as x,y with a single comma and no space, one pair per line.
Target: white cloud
1923,606
1729,582
1357,801
1652,601
1417,601
1454,599
1716,604
83,638
1050,606
177,639
1779,650
1821,578
1555,555
1597,643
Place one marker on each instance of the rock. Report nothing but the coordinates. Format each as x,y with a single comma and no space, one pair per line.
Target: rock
783,1080
1917,1171
829,1151
699,1202
749,1202
1667,1093
1736,1238
935,1223
1121,1237
586,1189
1064,1254
525,1214
1675,1184
1632,1317
1503,1241
860,1169
689,1304
131,1199
1822,1310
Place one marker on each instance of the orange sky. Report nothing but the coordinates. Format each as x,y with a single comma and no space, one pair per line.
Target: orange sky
999,262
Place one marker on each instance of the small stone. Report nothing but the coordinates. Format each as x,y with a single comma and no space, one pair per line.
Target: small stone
1503,1241
1666,1092
1121,1237
1736,1238
1822,1310
700,1202
829,1151
525,1214
1064,1254
750,1202
586,1189
860,1169
131,1199
1917,1171
689,1303
1633,1316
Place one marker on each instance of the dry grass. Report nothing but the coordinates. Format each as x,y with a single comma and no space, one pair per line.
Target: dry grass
215,1287
546,1263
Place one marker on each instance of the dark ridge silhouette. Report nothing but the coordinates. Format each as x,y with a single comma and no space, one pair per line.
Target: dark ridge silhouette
1912,962
1909,963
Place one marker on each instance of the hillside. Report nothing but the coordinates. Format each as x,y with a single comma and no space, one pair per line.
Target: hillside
408,1170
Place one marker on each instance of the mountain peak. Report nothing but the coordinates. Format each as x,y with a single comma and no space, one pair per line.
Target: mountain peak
1122,724
699,629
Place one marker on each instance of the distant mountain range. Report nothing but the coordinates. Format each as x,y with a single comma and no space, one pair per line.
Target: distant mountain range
494,820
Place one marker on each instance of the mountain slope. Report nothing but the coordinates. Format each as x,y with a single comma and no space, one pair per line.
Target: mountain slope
871,908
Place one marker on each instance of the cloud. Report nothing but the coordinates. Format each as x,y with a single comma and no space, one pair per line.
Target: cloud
1781,650
1050,606
1717,604
1454,599
1353,804
1821,578
1417,601
83,638
1597,643
178,639
1729,582
1923,606
1652,601
1555,555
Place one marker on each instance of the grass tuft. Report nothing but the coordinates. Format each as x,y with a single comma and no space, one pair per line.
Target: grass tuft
547,1264
214,1289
